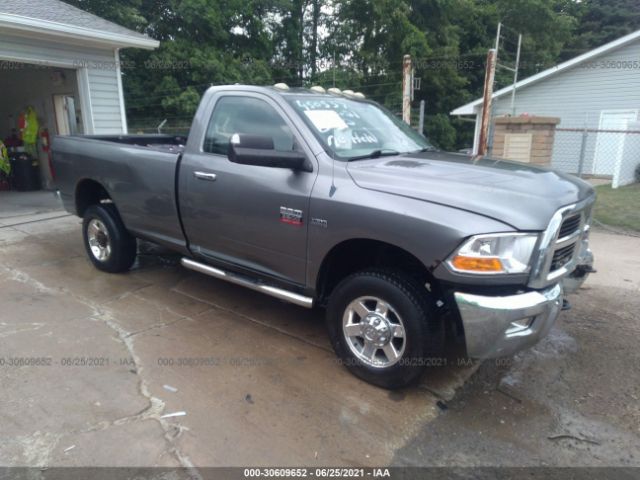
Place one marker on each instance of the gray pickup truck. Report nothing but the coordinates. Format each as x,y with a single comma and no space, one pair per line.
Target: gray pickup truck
327,199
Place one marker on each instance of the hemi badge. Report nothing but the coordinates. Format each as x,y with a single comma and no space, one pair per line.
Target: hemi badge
290,216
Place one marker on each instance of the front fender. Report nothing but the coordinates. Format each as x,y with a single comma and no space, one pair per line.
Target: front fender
341,211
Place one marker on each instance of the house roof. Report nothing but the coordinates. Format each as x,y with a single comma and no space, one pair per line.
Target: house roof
53,17
472,107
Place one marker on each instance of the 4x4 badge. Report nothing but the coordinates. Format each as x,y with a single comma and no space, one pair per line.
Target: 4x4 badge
290,216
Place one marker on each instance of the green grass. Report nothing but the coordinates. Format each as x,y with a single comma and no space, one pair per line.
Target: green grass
619,208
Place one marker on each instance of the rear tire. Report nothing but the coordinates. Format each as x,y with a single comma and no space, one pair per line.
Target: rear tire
110,247
383,326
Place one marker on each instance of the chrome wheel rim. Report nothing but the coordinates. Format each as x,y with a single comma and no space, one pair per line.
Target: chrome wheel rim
374,332
99,240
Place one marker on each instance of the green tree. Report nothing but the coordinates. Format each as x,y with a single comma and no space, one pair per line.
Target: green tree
546,26
600,22
127,13
205,42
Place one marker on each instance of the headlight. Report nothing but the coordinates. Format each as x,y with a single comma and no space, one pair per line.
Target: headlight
494,254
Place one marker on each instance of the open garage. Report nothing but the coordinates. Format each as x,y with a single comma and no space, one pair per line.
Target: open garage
59,74
53,95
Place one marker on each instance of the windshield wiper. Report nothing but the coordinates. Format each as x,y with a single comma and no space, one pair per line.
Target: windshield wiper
375,154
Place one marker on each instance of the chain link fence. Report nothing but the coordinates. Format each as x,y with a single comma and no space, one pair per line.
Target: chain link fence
607,154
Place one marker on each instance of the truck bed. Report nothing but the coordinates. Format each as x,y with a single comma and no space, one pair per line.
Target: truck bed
138,172
161,142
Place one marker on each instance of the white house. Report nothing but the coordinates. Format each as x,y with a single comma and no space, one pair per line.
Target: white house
597,98
64,62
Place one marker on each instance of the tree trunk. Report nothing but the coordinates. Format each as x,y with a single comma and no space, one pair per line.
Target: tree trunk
300,52
314,38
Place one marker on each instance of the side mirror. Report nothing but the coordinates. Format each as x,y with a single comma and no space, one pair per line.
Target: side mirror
259,151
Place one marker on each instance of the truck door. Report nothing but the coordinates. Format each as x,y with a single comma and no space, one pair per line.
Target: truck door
243,215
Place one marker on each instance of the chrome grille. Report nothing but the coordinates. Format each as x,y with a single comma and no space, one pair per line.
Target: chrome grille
563,247
570,225
560,244
561,257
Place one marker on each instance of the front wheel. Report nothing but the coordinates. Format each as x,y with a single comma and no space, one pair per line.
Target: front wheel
384,328
111,248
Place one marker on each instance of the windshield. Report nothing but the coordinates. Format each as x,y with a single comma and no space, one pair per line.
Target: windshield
354,129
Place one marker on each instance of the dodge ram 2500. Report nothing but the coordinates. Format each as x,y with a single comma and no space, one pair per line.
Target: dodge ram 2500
325,199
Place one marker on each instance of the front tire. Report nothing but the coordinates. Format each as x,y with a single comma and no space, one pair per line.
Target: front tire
110,247
384,328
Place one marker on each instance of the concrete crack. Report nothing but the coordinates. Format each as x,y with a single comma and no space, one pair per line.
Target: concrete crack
170,310
156,326
33,327
156,405
569,436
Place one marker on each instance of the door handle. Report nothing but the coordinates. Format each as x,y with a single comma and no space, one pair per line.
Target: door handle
211,177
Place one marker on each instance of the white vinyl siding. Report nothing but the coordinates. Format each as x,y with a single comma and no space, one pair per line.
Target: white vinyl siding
581,92
578,96
102,101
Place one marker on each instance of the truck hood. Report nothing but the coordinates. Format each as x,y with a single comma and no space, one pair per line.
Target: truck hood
522,196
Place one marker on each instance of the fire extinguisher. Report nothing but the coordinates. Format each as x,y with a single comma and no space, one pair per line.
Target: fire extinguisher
22,123
45,142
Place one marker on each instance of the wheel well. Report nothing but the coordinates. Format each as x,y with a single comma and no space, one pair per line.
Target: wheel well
353,255
89,192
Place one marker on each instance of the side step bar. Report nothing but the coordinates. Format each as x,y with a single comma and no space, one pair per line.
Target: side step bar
285,295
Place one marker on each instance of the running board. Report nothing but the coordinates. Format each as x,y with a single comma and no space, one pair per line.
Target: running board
285,295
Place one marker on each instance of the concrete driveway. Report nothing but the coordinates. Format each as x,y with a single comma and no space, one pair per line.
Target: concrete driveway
196,371
166,367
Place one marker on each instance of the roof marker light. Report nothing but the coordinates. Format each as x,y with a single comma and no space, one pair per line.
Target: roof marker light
318,89
281,86
335,90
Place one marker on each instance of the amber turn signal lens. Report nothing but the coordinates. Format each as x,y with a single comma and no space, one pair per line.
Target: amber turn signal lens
477,264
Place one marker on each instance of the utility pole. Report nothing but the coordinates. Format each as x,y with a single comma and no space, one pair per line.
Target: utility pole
515,76
407,87
421,122
489,77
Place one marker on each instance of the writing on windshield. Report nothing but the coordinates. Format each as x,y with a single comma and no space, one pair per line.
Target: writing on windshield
352,128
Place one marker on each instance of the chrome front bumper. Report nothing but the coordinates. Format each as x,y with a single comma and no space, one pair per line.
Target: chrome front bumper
499,326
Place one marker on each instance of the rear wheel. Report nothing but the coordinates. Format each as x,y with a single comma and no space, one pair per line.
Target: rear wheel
384,328
111,248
